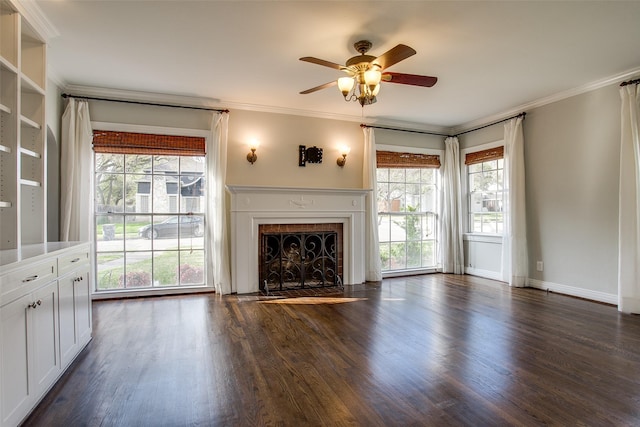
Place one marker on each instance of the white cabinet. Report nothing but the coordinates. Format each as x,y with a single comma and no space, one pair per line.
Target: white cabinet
15,394
28,346
45,314
74,296
22,131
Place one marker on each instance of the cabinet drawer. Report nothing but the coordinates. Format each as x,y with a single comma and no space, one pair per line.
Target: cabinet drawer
24,280
73,260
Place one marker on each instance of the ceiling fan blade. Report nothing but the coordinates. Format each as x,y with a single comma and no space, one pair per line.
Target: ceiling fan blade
409,79
317,88
313,60
393,56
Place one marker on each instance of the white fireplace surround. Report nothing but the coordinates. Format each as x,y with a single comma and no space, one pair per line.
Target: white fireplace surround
252,206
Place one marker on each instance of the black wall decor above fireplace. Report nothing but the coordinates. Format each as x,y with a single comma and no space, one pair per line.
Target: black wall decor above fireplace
309,155
298,260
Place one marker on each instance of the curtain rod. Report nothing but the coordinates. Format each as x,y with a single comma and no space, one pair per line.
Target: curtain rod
441,134
402,130
491,124
66,95
630,82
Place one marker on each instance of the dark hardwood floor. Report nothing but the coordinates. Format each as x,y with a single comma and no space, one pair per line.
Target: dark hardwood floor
417,351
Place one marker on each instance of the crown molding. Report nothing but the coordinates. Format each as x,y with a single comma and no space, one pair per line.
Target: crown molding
55,78
615,79
131,95
37,19
181,100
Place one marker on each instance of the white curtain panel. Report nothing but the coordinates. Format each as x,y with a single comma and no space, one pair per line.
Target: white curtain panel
216,230
373,265
629,202
451,223
515,260
76,167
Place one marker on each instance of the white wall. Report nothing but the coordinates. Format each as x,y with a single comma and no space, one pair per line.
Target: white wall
572,150
572,168
280,136
409,139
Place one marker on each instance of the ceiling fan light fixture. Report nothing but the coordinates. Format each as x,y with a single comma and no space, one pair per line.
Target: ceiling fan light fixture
365,73
345,84
372,78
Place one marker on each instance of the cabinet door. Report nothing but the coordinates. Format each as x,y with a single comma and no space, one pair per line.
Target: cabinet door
44,331
66,312
74,305
83,306
15,394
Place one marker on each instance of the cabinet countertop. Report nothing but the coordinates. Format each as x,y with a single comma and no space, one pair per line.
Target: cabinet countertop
9,257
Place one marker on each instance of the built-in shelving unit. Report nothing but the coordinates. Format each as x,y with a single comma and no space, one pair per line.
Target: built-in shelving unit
45,287
22,131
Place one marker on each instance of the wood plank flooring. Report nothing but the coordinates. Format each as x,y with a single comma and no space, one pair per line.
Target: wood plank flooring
435,350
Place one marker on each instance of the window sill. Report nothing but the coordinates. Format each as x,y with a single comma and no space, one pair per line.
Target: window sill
147,292
485,238
413,272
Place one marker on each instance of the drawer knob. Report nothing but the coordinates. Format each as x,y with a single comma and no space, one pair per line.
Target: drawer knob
29,279
75,260
35,304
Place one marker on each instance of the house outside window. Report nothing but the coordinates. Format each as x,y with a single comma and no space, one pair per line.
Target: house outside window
408,186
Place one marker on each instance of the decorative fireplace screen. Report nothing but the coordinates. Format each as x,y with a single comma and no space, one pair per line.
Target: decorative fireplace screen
298,260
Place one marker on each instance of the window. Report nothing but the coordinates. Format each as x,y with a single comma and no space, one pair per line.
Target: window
147,234
485,195
407,187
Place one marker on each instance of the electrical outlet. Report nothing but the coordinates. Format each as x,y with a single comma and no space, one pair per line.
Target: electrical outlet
539,266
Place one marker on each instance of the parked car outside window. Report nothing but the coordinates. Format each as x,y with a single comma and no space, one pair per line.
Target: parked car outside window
188,226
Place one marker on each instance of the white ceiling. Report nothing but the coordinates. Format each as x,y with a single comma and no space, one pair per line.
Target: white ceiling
490,57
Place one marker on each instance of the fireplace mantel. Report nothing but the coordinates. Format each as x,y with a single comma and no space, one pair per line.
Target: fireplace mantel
252,206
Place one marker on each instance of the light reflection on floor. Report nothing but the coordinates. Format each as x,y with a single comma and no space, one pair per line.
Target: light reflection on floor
312,300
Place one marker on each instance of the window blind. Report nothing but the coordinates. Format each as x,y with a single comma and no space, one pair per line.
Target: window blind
114,142
484,155
391,159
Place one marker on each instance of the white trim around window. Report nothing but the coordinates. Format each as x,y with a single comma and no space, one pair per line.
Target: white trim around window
159,130
414,150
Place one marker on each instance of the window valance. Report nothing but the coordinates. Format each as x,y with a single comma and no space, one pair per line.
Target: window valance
391,159
484,155
105,141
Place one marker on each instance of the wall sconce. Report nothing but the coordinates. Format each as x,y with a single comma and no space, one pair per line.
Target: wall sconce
252,156
343,152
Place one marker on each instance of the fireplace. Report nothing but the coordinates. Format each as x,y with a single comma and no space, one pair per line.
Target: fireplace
299,256
259,210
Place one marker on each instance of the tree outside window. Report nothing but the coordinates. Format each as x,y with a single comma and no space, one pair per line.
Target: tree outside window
149,221
407,203
486,196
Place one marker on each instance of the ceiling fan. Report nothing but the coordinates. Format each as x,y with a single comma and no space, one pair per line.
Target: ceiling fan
365,72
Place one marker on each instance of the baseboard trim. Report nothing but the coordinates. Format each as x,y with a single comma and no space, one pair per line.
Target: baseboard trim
550,286
487,274
573,291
